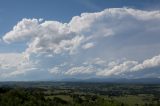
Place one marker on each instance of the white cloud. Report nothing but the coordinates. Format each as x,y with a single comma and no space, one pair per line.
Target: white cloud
54,37
80,70
88,45
47,37
12,64
148,63
118,69
24,29
129,67
96,61
54,70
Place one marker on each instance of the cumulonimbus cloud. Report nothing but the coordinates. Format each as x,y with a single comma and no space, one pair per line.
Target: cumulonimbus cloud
87,31
55,37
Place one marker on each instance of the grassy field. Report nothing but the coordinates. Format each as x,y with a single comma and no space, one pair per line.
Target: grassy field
80,94
132,100
63,97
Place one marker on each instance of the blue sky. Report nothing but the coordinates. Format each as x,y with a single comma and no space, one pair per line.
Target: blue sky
55,39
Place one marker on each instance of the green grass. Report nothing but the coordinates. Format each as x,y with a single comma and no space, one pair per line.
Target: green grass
133,99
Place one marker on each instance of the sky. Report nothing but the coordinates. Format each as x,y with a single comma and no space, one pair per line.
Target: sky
59,39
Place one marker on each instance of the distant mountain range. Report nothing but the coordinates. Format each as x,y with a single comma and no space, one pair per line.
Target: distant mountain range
96,80
114,80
